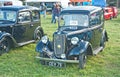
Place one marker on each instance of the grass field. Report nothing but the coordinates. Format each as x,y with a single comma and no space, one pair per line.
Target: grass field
21,62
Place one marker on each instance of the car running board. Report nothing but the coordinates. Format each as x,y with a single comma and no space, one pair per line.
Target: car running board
95,52
24,43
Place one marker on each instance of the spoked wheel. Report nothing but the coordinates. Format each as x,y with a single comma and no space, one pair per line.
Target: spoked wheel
82,60
4,46
38,35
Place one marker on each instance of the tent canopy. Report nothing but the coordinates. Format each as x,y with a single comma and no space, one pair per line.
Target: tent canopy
101,3
42,0
7,0
80,0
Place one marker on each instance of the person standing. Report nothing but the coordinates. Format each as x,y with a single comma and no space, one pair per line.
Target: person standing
44,9
70,4
55,13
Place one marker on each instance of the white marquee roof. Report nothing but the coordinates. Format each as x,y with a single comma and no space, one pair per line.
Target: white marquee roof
42,0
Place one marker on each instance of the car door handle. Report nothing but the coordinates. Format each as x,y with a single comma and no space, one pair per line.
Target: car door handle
31,25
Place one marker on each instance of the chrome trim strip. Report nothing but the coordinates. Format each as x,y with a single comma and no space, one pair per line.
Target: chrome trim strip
85,30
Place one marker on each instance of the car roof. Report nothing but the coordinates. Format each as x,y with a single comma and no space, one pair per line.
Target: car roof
17,8
81,9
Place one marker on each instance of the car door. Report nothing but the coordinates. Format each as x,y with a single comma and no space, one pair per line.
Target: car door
97,26
35,21
92,31
99,29
22,31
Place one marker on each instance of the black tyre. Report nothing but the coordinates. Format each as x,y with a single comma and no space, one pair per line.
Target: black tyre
104,41
82,60
4,46
111,18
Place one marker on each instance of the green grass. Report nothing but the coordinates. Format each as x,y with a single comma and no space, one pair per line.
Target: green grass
21,62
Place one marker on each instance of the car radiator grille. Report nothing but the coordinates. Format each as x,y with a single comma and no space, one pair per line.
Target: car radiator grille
59,44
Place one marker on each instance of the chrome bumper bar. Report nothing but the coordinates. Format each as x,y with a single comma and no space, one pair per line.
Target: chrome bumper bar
59,60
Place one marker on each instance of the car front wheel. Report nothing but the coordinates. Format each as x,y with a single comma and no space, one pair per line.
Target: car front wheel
82,60
4,46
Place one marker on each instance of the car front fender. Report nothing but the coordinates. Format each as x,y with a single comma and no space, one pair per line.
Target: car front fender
81,48
6,35
41,46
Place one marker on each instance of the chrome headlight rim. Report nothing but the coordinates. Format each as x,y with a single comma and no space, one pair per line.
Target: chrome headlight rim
74,40
44,39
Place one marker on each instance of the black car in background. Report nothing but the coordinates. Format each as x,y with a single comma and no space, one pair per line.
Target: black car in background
80,33
19,25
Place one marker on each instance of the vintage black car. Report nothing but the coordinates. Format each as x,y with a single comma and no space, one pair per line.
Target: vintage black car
19,25
80,33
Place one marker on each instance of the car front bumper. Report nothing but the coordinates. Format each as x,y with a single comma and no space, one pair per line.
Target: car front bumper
58,60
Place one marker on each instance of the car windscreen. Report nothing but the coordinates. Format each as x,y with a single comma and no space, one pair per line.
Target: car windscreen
7,16
74,20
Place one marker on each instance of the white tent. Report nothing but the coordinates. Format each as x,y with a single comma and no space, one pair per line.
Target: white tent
5,0
43,1
2,2
64,3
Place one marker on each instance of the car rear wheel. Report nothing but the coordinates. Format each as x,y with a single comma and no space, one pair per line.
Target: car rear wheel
82,60
111,18
4,46
104,41
38,35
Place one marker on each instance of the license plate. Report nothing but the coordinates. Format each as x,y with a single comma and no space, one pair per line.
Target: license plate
55,64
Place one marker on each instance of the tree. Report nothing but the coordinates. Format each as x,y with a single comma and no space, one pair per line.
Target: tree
22,0
118,3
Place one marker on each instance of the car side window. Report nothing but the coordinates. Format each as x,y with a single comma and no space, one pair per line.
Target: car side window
35,15
95,19
24,17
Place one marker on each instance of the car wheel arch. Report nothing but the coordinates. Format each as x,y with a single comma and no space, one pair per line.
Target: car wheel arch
104,38
87,48
36,30
10,38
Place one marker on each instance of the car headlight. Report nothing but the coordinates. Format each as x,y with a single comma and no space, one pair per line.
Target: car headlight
74,40
44,39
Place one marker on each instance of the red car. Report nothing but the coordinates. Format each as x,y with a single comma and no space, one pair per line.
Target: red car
115,12
110,12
